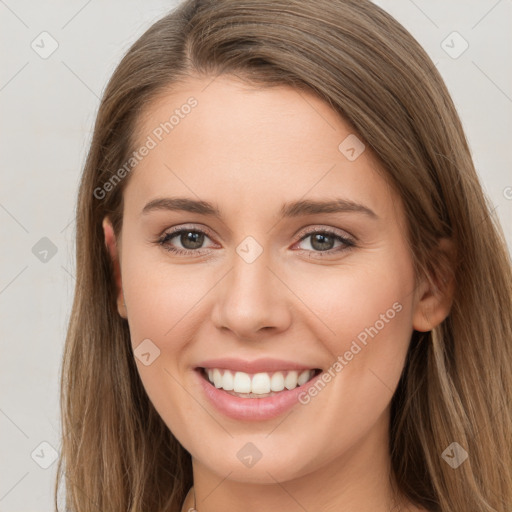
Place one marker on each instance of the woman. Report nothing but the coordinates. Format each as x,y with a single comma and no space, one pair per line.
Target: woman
290,292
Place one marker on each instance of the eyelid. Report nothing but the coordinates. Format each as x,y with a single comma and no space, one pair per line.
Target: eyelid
310,230
190,227
170,233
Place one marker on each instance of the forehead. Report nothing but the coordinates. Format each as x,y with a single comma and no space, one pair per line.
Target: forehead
248,146
231,115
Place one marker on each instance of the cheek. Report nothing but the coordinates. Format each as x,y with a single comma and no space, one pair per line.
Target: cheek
353,296
163,303
160,297
363,316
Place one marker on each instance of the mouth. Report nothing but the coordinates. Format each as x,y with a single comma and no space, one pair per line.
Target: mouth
256,385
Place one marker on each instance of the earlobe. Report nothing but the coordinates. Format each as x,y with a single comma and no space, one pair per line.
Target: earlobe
111,245
435,295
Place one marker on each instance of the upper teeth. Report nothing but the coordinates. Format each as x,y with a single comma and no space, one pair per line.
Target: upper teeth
259,383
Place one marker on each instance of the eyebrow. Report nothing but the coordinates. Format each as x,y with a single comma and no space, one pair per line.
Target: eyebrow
288,210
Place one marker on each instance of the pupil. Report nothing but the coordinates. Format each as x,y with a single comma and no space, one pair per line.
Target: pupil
322,245
192,240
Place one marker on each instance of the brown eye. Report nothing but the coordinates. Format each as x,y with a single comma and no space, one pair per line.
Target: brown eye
191,240
323,241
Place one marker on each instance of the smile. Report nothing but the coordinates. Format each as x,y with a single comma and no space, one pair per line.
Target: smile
249,405
257,385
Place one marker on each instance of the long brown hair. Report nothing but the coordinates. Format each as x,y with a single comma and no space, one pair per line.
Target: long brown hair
117,454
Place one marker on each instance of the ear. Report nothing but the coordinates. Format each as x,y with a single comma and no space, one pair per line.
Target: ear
111,244
434,296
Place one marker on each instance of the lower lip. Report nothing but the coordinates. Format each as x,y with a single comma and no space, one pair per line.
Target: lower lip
252,409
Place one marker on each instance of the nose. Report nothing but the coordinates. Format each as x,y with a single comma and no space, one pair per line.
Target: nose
252,301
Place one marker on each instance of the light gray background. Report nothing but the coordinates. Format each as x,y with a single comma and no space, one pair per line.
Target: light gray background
47,110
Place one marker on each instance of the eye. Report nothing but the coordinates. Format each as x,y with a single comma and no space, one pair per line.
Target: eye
323,240
191,240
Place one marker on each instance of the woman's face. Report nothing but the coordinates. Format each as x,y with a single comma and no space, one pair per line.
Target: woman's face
253,283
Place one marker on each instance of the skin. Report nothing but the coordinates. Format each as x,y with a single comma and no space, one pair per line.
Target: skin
248,150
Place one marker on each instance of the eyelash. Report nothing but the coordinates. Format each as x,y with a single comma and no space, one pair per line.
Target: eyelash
347,242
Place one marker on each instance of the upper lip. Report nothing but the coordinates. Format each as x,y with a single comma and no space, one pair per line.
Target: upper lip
256,366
